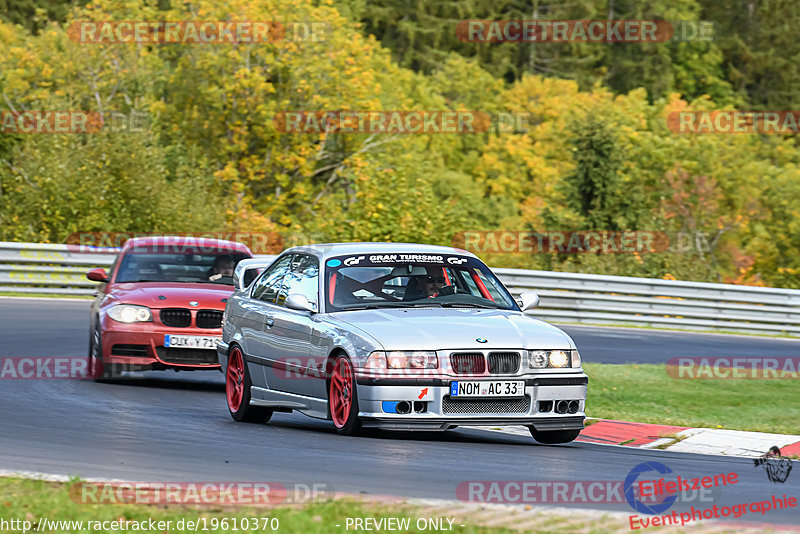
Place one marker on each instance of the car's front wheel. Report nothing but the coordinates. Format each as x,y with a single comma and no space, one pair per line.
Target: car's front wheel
237,391
551,437
96,368
343,399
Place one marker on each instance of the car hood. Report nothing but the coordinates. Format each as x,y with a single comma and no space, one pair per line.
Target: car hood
456,328
176,295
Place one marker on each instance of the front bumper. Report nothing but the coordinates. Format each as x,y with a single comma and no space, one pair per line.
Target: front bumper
141,347
440,411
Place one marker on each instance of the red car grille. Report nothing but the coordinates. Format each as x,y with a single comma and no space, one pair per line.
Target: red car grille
177,317
209,319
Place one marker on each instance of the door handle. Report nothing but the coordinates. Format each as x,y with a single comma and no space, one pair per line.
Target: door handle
269,321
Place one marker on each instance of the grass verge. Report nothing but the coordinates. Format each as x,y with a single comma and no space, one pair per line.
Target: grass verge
37,500
646,394
23,499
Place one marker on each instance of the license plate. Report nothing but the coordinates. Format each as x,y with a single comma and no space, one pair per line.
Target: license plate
502,388
190,342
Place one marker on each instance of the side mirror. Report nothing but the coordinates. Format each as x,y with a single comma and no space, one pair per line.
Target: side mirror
296,301
528,300
98,275
248,270
243,278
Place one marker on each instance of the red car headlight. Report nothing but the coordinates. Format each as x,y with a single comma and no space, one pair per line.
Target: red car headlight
129,313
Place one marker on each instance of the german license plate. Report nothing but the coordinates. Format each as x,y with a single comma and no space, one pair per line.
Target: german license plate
501,388
190,342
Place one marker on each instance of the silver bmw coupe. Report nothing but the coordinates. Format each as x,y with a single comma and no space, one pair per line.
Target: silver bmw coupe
396,336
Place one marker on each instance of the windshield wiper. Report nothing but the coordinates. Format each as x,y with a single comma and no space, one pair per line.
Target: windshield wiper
365,307
393,305
468,305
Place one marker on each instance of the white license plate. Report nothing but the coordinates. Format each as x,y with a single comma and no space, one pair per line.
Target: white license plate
501,388
190,342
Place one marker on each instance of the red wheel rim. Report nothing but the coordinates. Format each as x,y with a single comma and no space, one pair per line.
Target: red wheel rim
341,396
234,382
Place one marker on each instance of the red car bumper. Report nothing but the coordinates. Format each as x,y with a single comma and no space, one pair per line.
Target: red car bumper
141,346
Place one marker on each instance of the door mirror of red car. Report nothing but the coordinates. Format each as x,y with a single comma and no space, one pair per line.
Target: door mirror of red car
98,275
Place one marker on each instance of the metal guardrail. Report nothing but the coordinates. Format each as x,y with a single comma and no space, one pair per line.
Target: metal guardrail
52,269
600,299
565,297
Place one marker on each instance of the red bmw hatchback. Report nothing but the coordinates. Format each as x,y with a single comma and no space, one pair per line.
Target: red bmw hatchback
161,305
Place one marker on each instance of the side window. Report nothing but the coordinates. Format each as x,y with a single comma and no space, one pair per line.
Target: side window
111,273
303,278
266,287
490,287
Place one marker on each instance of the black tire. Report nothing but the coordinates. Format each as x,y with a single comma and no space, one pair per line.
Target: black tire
552,437
351,424
244,413
96,367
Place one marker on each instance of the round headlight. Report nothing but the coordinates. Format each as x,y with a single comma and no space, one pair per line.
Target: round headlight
128,315
559,358
537,359
418,360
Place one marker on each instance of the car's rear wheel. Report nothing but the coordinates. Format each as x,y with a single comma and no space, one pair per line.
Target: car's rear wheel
237,391
551,437
343,399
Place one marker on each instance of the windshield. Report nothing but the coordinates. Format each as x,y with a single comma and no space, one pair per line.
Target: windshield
411,280
214,268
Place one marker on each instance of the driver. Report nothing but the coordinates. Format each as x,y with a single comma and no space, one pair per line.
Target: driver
223,266
433,283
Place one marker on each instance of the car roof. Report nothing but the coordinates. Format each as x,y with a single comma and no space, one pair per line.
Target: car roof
177,240
326,250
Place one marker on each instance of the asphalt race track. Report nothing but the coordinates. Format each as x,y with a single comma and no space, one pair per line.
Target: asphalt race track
60,328
175,427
